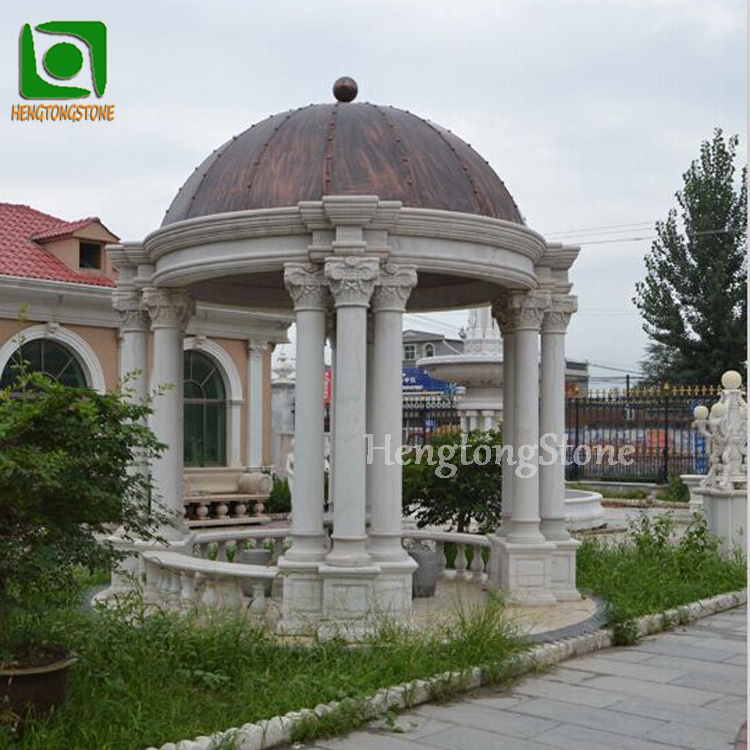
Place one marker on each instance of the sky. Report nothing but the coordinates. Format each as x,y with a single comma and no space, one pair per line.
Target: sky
589,110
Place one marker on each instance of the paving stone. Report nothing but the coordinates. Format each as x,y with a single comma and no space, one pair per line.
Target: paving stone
694,716
684,736
411,726
730,704
685,664
584,696
466,738
572,737
740,659
587,716
640,670
695,652
489,719
655,690
369,741
500,700
570,676
713,682
629,654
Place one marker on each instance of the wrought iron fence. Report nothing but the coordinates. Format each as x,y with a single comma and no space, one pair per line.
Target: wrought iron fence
427,416
655,422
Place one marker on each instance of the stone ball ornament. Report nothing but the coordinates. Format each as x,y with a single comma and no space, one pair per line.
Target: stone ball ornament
345,89
700,412
731,380
718,410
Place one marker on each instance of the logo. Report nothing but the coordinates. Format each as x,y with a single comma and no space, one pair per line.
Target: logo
63,61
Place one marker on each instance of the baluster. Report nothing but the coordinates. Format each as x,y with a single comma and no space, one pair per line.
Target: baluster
221,552
442,561
151,591
278,550
477,563
173,588
461,561
187,589
259,605
210,596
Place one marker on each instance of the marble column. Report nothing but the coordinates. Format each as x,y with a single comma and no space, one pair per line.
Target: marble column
302,604
256,351
348,572
134,324
170,311
394,585
504,319
525,556
552,421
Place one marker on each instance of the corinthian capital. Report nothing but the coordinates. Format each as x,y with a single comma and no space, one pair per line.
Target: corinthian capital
394,287
168,308
558,316
306,285
503,315
352,279
527,309
132,315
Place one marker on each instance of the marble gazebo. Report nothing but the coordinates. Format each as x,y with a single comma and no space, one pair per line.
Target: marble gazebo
350,214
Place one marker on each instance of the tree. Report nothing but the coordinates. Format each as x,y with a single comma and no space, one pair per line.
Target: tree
693,299
471,492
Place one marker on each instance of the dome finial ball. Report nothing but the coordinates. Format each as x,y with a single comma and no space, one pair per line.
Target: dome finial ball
345,89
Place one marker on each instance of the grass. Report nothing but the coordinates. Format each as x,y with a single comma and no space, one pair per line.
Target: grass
612,493
650,571
144,681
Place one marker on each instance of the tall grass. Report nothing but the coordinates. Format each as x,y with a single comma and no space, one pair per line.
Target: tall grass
650,571
143,681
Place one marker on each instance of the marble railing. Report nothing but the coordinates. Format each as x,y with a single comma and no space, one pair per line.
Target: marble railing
213,578
463,569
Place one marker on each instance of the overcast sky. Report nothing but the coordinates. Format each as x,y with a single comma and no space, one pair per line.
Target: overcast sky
590,111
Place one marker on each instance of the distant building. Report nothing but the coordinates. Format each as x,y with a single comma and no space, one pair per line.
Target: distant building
419,344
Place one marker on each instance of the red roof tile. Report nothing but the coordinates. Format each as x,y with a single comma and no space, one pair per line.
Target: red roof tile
21,255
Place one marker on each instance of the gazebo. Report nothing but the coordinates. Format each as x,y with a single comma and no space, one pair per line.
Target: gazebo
350,214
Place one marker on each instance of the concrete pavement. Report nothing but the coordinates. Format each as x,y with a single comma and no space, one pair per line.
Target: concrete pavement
681,689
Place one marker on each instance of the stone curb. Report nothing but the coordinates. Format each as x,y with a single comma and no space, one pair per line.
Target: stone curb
278,730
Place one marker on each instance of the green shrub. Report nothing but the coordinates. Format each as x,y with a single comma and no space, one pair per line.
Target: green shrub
473,493
280,499
675,492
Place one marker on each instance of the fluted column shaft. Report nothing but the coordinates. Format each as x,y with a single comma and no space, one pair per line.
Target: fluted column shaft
308,288
352,281
527,309
552,415
170,311
256,351
388,304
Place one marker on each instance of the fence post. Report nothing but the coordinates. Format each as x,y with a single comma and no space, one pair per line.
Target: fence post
665,453
575,467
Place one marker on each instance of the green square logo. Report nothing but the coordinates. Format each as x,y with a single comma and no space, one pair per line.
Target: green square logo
63,60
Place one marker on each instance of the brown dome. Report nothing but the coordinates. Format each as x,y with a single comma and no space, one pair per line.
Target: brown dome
344,149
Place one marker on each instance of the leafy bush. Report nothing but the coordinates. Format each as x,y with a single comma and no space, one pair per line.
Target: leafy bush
675,492
280,498
650,571
473,493
65,455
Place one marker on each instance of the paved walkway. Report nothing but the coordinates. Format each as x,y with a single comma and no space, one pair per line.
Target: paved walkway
681,689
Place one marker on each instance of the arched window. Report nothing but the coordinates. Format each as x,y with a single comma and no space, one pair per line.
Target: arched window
205,412
49,357
429,350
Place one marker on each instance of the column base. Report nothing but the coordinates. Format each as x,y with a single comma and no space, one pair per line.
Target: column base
393,590
302,597
524,532
349,601
554,529
525,571
348,552
306,548
564,571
